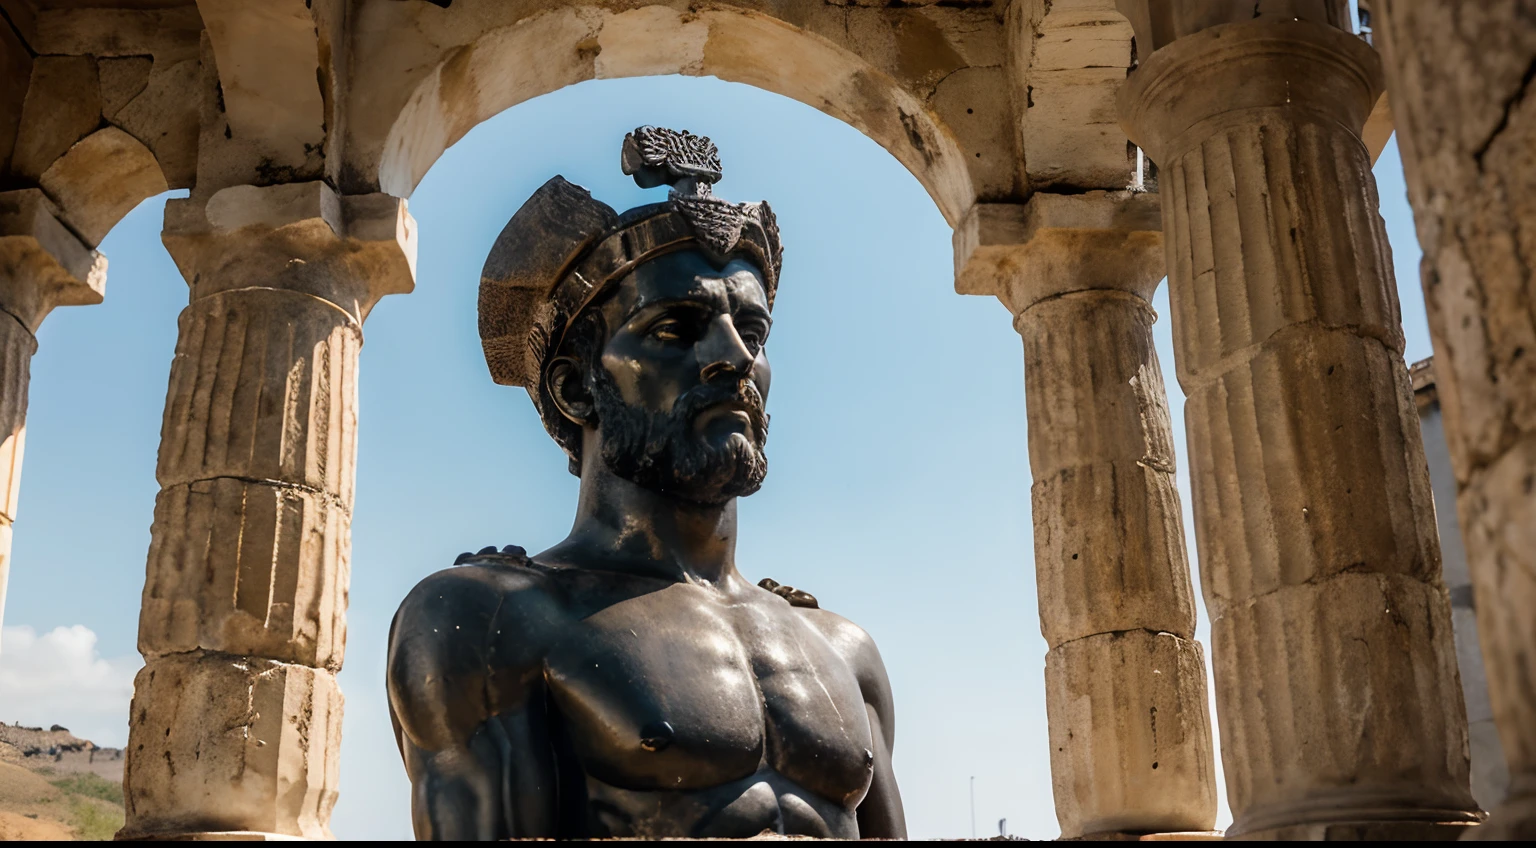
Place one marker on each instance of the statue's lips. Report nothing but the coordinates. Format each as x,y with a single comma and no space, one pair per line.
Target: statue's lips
735,409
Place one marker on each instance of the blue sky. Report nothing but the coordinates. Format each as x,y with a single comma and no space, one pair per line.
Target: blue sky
898,490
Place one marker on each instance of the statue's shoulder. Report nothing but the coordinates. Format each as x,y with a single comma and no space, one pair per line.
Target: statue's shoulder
454,630
796,597
849,638
851,641
479,588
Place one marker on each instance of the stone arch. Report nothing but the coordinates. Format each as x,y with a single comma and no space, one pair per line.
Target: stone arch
100,179
468,83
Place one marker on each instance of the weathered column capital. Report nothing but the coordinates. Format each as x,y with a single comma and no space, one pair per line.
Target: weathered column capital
1057,244
1183,93
43,264
350,250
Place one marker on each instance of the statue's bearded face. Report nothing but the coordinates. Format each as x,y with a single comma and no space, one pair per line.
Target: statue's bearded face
679,385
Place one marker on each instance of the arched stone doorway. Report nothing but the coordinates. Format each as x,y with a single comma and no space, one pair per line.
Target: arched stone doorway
315,119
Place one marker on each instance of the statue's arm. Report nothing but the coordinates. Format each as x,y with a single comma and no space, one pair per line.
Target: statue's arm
880,814
470,726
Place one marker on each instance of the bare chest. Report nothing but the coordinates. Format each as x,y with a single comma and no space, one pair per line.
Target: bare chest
677,690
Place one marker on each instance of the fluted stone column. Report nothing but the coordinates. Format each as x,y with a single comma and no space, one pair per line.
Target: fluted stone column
42,265
1340,709
236,717
1125,679
1463,83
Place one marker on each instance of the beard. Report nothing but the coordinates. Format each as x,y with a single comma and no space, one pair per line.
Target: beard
663,453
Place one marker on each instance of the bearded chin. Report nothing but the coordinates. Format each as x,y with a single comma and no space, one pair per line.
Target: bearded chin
664,454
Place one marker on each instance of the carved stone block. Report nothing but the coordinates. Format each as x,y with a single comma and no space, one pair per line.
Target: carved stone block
1498,510
1109,553
1093,381
247,568
1306,462
225,743
263,387
1339,702
1130,737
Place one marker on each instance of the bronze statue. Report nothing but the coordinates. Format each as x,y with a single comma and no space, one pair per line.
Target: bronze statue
629,681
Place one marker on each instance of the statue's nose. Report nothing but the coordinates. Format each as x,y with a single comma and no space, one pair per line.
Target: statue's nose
723,352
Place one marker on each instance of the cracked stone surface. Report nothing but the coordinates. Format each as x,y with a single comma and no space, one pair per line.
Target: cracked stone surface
1463,79
223,743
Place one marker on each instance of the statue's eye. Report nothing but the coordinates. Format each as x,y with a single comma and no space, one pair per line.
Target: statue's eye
753,335
667,330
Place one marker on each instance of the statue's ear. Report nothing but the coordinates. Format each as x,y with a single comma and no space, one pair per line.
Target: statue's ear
568,389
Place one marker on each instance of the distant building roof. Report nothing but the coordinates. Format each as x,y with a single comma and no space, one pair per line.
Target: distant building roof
1422,373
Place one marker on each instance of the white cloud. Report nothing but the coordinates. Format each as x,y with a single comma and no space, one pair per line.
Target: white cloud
60,677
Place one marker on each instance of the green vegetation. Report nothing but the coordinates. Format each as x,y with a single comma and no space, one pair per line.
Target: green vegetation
94,820
90,804
91,786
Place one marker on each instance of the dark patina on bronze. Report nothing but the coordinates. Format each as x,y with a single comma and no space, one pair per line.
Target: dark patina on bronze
629,681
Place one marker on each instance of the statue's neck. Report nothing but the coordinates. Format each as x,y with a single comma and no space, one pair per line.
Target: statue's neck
624,526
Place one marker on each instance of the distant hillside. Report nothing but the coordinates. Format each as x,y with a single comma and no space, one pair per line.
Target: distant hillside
54,785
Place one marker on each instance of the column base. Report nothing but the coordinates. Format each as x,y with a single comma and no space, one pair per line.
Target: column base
1332,815
1514,819
218,836
1172,836
1117,759
226,745
1364,831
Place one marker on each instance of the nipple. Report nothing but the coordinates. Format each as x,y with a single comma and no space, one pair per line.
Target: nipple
656,736
869,758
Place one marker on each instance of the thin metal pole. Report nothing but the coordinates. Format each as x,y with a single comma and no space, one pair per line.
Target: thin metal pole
973,806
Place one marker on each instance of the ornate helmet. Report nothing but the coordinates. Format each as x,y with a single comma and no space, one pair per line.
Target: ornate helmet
563,250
